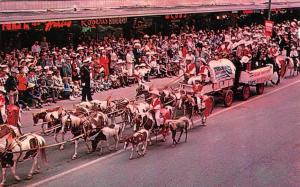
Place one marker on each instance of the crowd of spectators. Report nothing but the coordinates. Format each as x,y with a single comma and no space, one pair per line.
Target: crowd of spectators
43,74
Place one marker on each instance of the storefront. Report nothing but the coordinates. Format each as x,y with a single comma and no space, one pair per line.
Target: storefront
62,33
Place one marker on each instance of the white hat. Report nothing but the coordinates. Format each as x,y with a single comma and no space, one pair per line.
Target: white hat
155,92
245,59
109,48
101,48
14,70
188,58
79,48
49,72
29,56
2,89
86,61
39,68
120,61
30,85
137,45
146,36
202,60
64,48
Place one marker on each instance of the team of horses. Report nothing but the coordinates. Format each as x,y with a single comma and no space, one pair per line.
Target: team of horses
95,122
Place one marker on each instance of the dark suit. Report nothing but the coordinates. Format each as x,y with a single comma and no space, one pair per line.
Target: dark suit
137,55
86,83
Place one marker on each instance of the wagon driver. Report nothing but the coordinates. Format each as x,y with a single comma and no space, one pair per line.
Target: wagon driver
156,106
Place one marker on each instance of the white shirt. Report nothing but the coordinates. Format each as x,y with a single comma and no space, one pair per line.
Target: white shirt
129,58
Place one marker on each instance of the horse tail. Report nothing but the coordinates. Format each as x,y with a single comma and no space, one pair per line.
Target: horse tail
120,131
187,121
43,151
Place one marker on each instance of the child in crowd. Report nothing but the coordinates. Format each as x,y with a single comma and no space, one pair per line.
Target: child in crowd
68,91
106,83
76,89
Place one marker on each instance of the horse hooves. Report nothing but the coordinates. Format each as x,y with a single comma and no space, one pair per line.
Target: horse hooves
74,157
130,158
29,177
36,172
61,148
18,179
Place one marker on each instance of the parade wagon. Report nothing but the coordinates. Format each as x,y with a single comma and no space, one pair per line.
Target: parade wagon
256,78
221,81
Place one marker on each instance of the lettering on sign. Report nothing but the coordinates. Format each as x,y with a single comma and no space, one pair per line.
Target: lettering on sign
175,16
57,24
47,26
223,72
92,23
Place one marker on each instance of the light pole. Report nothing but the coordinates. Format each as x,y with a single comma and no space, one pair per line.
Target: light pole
269,9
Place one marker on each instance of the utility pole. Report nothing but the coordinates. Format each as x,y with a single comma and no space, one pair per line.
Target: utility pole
269,9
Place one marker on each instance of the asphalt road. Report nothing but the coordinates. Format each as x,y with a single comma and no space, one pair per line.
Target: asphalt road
252,143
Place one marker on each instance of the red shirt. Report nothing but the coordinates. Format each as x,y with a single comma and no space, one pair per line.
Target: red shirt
156,103
22,82
191,68
2,100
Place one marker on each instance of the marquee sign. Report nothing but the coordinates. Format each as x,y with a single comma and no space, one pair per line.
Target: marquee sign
46,26
92,23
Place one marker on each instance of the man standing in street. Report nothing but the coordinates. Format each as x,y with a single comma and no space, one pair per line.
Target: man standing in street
86,81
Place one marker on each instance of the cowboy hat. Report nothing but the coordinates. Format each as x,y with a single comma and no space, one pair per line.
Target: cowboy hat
3,66
245,59
155,92
202,60
2,89
79,48
137,45
30,85
14,70
120,61
86,61
38,68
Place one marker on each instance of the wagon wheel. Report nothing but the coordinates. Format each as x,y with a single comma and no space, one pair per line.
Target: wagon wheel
260,89
276,78
245,92
228,98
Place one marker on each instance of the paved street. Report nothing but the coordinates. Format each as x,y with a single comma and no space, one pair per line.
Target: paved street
253,143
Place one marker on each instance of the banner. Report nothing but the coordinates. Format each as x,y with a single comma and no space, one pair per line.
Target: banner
269,28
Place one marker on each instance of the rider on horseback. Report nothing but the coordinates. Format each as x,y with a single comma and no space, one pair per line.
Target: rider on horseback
155,106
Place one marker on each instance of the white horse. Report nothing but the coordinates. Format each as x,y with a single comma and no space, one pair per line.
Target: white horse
131,110
83,126
182,124
21,148
292,66
138,139
105,134
47,116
